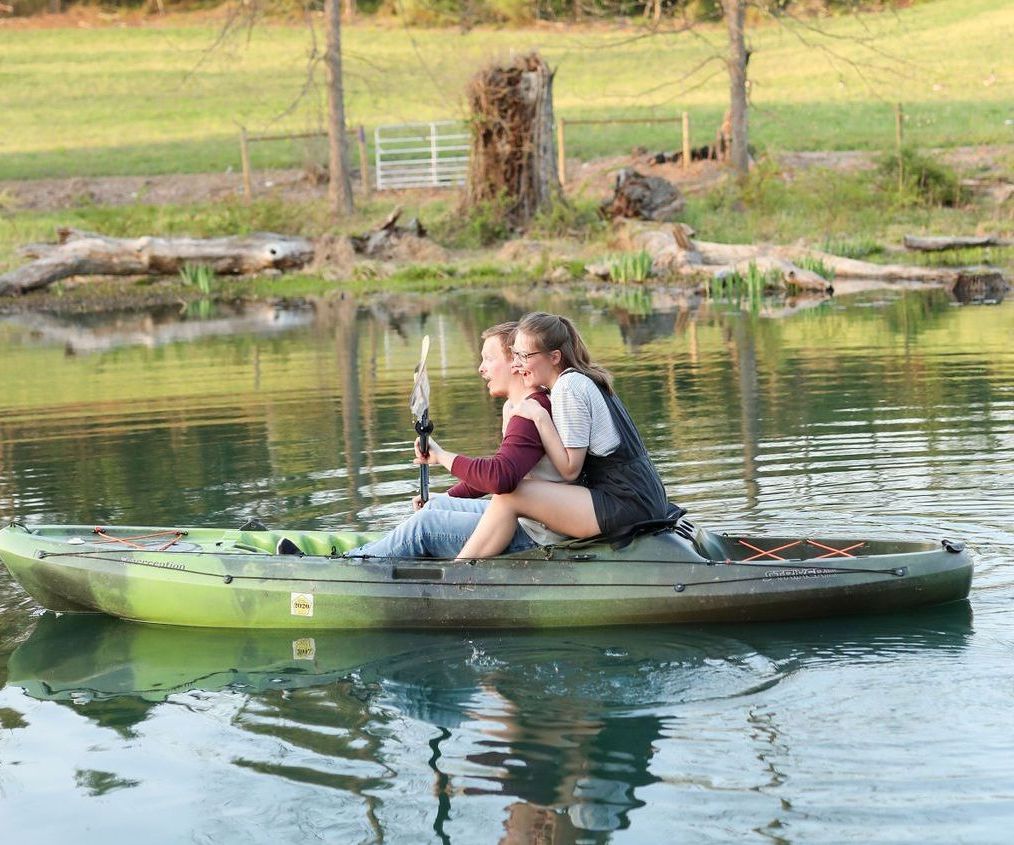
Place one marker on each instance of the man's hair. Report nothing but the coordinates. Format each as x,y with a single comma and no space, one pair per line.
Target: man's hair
504,332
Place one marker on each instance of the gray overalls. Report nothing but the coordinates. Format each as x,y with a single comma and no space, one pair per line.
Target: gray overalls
625,486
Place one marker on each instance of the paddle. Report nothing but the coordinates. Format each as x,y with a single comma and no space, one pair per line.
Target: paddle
420,405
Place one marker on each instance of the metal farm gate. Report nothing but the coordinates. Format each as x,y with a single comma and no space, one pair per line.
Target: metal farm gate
421,155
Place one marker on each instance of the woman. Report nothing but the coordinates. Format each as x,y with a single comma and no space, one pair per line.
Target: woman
439,528
589,438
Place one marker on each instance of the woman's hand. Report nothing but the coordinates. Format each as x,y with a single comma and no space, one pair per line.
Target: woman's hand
529,409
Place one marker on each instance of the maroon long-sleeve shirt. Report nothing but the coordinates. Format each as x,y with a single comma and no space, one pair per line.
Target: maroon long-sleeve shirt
520,450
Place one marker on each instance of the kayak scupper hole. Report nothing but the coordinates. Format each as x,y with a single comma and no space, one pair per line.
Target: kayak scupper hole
405,573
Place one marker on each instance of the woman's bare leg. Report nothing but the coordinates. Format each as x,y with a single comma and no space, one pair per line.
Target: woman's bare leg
564,508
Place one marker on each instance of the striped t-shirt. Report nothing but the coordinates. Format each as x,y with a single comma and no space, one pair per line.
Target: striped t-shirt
582,416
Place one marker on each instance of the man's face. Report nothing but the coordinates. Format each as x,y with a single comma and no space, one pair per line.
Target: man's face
495,367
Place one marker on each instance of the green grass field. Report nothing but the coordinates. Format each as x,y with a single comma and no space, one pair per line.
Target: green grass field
153,99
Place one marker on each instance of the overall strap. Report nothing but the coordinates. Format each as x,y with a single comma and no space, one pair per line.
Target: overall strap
631,444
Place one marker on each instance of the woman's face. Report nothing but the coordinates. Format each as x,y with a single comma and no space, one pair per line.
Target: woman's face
538,367
495,367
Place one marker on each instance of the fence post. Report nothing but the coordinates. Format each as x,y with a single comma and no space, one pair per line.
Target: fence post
377,169
244,155
561,151
899,118
364,161
686,140
433,156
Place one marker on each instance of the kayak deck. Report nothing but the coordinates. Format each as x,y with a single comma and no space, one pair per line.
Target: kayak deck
214,577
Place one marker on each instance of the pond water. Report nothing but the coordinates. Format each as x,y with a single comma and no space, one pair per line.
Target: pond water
881,416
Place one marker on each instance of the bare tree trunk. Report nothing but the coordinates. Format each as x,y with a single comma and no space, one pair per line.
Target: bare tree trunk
339,187
349,10
734,18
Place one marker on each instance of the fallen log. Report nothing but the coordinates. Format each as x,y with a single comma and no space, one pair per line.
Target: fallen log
844,268
674,251
89,254
937,243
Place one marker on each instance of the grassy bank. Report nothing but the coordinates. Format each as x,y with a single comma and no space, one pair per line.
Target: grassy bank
857,215
158,99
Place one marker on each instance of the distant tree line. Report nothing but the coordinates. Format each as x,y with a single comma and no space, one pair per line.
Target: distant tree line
472,12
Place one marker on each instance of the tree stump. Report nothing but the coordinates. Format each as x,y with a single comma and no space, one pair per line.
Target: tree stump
643,197
512,158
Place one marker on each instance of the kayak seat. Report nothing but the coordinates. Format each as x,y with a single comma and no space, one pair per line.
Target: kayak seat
710,545
316,543
623,537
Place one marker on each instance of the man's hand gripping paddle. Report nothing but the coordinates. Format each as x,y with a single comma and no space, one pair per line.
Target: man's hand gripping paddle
420,405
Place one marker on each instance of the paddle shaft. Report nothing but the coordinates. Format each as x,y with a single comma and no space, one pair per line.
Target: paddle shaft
424,428
420,404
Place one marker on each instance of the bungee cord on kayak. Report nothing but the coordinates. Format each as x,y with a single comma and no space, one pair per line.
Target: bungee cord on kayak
762,553
130,541
678,586
786,569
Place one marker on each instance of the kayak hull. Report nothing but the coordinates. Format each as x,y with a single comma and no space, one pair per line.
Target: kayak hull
233,579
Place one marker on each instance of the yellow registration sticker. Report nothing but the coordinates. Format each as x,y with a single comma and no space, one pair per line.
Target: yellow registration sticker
301,604
304,648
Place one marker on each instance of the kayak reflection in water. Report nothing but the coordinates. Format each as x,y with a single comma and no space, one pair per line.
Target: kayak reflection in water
440,527
590,439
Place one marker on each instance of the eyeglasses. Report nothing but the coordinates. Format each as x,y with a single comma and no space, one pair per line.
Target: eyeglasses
523,357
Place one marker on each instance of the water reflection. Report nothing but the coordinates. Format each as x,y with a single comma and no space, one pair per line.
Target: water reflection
561,728
84,334
890,416
748,418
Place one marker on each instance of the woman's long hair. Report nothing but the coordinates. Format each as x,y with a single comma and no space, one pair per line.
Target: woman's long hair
552,331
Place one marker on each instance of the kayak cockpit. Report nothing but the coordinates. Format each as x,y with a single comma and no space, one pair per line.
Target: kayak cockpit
729,547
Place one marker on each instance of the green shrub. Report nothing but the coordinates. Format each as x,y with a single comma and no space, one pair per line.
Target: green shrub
425,12
200,276
444,12
857,248
511,11
816,265
575,218
921,179
630,267
752,284
482,225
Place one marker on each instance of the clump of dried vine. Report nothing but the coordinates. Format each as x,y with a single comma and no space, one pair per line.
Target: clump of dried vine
512,165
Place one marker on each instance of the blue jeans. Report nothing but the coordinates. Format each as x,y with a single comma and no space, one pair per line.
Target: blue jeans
438,530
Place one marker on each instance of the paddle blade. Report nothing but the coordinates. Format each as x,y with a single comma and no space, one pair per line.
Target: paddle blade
420,399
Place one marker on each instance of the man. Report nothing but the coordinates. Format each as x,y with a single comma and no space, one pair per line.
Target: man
439,528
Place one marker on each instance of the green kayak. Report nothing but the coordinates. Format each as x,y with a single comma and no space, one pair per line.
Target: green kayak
234,578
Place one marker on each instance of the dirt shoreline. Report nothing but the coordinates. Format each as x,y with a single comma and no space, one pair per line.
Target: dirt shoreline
983,166
980,163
